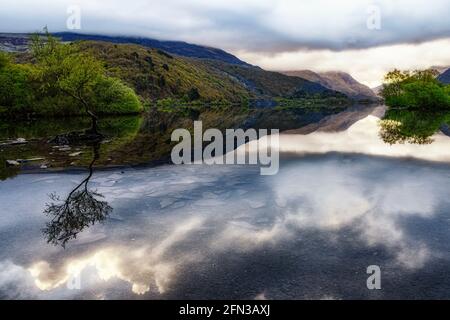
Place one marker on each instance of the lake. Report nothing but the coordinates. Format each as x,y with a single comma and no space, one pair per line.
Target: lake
343,200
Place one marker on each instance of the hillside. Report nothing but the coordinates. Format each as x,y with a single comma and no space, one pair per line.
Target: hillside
338,81
377,90
13,42
440,69
155,74
264,83
444,77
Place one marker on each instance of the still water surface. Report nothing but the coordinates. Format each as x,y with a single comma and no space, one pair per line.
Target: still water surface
204,232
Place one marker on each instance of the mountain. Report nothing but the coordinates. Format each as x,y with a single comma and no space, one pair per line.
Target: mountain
155,74
444,77
14,42
377,90
337,81
174,47
168,69
18,42
439,69
264,83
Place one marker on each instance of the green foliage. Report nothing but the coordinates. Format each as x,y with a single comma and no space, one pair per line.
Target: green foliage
64,80
165,54
411,126
113,96
4,59
156,76
168,104
415,90
16,93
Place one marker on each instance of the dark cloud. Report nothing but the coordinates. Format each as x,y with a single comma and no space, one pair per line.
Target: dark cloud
257,26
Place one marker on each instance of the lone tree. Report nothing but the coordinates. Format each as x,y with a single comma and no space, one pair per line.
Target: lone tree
62,68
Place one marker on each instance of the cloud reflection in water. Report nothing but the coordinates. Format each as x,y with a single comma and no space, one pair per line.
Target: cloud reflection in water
320,219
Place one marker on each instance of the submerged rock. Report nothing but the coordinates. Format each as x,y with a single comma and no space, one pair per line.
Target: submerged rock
12,163
74,154
76,137
29,160
14,142
19,141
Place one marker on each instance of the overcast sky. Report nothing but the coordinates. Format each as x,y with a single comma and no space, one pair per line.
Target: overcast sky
364,38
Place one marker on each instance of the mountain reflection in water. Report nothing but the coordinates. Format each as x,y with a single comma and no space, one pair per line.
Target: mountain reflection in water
339,204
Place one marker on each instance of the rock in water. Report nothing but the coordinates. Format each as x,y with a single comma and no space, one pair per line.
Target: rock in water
14,142
74,154
12,163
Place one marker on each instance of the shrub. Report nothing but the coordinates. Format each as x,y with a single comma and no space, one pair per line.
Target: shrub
415,90
113,96
16,92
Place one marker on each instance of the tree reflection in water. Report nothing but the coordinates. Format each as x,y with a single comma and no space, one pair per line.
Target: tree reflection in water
79,210
411,126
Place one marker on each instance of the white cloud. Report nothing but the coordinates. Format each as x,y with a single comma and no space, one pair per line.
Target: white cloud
366,65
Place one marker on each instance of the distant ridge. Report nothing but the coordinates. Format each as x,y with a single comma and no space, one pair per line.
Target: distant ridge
377,90
338,81
440,69
16,42
445,77
175,47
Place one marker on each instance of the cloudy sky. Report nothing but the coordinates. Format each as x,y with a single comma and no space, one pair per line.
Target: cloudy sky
365,38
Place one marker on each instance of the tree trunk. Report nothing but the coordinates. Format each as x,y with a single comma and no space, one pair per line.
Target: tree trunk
94,127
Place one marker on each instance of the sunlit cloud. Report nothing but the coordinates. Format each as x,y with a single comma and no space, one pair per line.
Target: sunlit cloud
362,138
366,65
140,266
